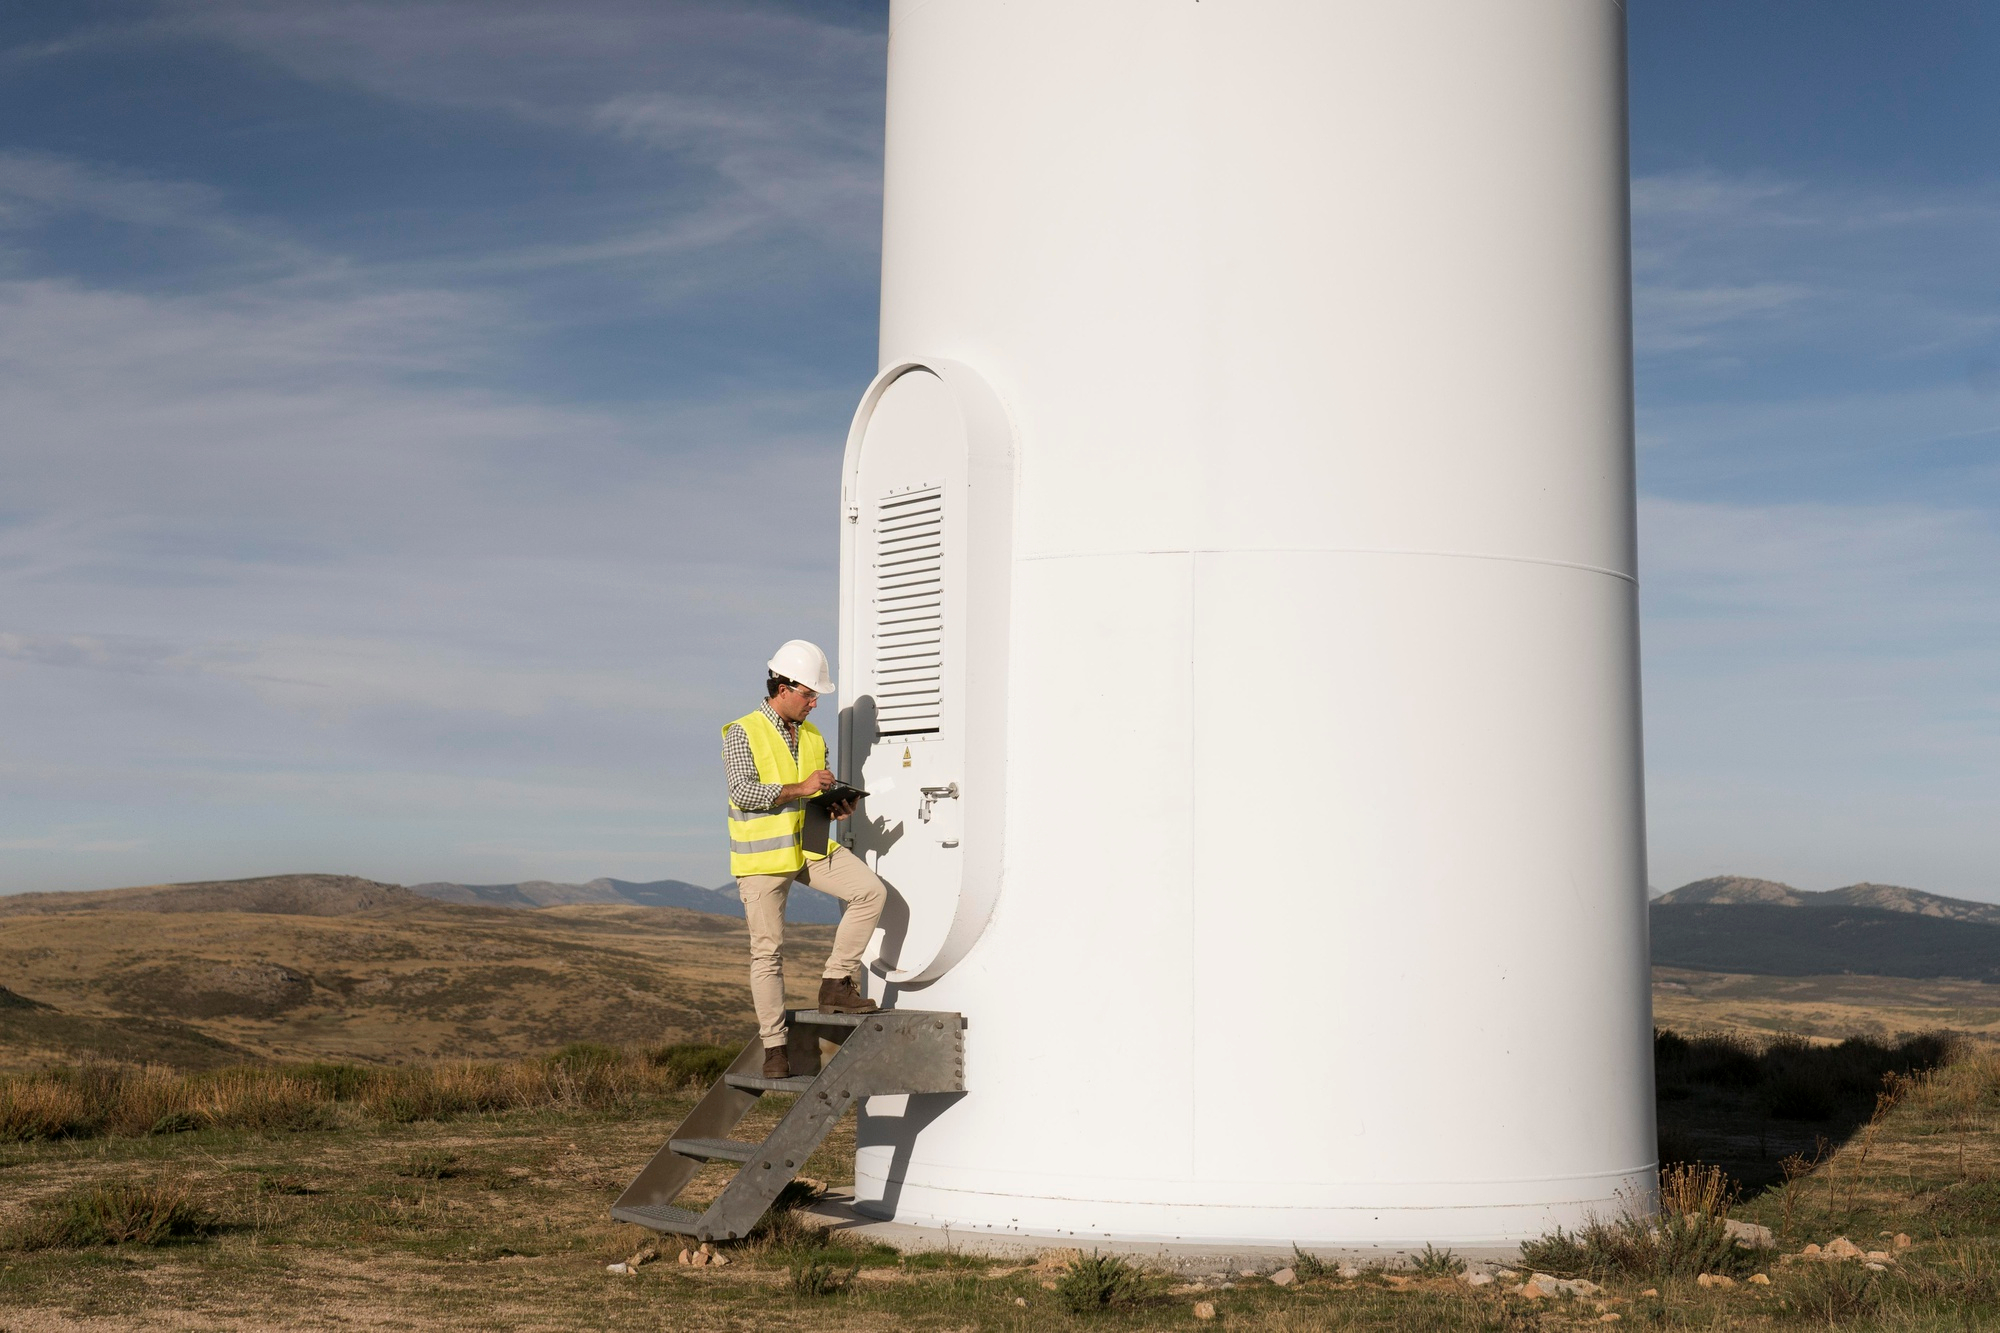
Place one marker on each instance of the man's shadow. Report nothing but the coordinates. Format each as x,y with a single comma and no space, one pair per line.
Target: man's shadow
858,720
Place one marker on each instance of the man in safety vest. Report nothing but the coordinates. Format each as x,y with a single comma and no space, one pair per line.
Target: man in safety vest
778,832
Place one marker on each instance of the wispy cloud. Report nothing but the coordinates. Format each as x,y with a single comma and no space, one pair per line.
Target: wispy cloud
777,109
33,186
1750,269
1675,319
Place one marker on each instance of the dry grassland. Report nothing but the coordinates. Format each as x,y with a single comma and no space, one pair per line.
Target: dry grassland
415,1188
410,982
1826,1008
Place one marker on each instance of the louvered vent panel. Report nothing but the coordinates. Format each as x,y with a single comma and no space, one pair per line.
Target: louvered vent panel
909,612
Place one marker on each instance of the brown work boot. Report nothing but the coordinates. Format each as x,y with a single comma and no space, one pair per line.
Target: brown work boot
837,995
777,1064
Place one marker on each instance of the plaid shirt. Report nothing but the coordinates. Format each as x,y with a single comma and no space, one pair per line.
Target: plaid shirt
745,791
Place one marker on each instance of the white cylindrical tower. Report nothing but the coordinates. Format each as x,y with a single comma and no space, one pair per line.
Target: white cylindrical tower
1239,620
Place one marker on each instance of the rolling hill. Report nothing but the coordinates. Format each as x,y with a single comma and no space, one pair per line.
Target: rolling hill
333,967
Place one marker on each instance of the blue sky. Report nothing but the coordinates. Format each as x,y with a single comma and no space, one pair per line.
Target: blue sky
376,381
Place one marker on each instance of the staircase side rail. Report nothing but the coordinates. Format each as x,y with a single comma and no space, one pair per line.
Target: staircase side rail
915,1052
713,1117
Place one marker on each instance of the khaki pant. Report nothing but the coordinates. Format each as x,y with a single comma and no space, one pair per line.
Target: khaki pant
846,877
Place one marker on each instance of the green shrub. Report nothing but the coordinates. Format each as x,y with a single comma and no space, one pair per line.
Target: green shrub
945,1261
338,1082
1956,1276
1311,1265
821,1273
437,1092
1831,1291
1717,1061
1566,1254
580,1056
1437,1263
780,1229
140,1213
1689,1244
429,1164
1976,1201
692,1064
1096,1282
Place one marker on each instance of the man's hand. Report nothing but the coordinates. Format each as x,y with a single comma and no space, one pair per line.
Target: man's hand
842,810
814,784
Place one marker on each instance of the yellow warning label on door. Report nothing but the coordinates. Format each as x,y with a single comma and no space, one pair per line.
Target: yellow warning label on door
906,758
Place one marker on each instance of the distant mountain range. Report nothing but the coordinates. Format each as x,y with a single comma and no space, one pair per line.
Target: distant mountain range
804,904
1735,890
1759,926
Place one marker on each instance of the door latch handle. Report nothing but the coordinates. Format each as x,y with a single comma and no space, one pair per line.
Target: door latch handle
949,792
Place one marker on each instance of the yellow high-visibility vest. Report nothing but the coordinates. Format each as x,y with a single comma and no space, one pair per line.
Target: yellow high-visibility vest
771,842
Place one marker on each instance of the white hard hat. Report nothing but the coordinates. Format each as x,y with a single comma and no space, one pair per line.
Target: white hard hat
804,663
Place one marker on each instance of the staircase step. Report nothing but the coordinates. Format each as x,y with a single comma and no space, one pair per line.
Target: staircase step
796,1083
814,1018
715,1150
660,1217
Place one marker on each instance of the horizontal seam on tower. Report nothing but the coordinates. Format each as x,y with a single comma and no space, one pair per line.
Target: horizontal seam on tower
1339,550
1577,1181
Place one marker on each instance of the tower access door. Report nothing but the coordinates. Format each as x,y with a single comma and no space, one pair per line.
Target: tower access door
916,535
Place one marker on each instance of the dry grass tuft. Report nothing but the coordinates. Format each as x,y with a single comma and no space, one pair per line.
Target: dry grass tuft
42,1109
1692,1189
257,1099
1690,1237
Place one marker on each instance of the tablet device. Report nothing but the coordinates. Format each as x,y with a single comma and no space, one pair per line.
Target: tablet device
839,793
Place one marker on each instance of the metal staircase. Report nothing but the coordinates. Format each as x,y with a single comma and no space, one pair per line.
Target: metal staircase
896,1050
